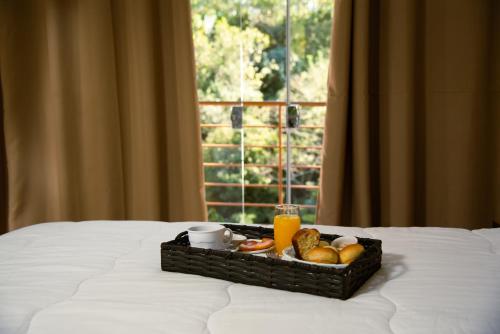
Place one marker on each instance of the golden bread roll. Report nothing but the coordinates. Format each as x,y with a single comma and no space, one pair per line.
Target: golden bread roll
323,243
254,245
322,255
350,253
304,240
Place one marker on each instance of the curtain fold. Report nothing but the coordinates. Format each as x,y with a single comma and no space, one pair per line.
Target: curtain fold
100,111
3,168
412,124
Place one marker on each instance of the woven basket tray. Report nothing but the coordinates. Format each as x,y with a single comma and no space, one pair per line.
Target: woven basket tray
178,256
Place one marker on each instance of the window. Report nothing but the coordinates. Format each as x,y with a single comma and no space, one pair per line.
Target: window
241,64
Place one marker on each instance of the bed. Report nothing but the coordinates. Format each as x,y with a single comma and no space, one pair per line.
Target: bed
105,277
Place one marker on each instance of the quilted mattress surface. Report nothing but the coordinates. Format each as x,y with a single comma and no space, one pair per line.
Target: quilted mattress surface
105,277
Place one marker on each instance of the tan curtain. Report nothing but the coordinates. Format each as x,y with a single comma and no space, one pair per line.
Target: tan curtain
100,111
412,125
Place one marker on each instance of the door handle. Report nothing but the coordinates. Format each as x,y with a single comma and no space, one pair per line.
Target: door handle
292,116
237,117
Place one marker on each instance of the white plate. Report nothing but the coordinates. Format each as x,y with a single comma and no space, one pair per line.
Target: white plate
342,242
289,255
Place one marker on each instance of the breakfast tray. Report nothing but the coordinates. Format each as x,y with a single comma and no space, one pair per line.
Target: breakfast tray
178,256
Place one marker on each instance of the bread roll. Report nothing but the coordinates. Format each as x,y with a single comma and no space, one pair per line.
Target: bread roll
304,240
254,245
322,255
323,243
350,253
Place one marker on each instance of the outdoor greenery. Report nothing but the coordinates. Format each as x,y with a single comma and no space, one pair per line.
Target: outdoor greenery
240,56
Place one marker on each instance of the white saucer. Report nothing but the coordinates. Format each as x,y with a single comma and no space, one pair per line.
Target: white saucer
237,240
289,255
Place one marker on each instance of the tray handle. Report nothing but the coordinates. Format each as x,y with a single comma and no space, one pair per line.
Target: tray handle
181,235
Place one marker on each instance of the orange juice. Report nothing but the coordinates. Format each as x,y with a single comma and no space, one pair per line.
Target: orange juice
285,227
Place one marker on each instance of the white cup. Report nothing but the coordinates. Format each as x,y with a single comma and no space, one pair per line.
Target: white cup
210,236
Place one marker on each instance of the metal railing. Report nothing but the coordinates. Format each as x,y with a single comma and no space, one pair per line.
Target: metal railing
281,107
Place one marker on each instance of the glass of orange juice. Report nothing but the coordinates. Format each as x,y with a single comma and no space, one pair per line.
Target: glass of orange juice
286,223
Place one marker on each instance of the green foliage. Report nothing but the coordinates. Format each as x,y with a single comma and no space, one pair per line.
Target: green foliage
240,54
218,60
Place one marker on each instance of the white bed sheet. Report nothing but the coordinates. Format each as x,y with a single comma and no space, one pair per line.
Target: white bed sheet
105,277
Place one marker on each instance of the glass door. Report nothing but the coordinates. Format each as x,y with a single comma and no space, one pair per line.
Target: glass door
249,86
309,39
216,36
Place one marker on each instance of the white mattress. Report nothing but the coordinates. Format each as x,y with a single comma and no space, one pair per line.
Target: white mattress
105,277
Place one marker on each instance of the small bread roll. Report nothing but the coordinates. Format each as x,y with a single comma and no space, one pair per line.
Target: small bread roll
350,253
323,243
322,255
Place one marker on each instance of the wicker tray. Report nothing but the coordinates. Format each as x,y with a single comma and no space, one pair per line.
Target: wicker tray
178,256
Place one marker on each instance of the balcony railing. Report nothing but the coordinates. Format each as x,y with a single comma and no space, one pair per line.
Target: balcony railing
280,107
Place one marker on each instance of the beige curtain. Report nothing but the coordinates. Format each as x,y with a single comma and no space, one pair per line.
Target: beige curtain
412,126
100,111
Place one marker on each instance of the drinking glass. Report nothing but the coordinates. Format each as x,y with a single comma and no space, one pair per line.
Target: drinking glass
286,223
